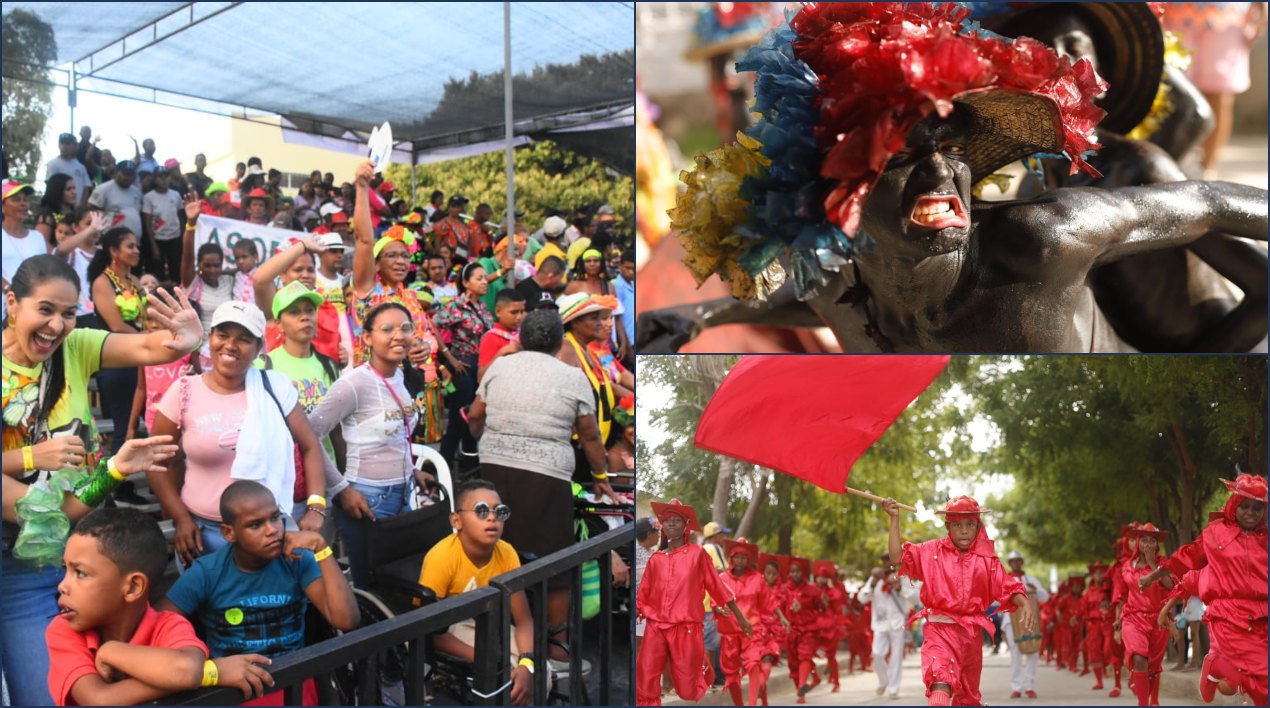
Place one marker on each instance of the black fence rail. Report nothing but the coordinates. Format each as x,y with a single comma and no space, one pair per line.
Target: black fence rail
534,576
490,608
412,628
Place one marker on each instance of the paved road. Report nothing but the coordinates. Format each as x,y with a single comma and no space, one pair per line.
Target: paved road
1054,688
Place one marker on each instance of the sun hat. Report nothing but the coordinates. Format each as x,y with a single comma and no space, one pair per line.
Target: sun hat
801,563
333,241
1245,485
259,193
962,505
741,545
575,305
825,569
677,508
782,563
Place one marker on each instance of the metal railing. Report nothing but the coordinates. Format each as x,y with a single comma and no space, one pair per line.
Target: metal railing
412,628
491,608
535,575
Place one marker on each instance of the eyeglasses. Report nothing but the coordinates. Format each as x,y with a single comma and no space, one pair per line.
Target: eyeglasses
502,512
396,256
406,329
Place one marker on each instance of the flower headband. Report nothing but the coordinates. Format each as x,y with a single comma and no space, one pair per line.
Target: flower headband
396,233
624,414
838,87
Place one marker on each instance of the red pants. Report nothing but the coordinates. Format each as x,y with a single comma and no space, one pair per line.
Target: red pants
953,654
1112,651
1142,636
1096,641
801,645
1246,650
730,646
685,646
1062,641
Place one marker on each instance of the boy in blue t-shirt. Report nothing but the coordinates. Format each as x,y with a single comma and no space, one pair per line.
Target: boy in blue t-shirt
250,596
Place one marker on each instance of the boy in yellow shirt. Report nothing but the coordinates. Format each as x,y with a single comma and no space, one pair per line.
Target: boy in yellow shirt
469,559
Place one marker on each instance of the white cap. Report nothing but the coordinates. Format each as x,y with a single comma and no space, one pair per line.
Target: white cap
1014,555
329,208
333,241
241,313
554,226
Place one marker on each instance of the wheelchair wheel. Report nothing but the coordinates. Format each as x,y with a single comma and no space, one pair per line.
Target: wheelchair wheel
361,683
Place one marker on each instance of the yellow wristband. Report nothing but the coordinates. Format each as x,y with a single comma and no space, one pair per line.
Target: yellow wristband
113,469
600,477
322,554
527,663
316,500
211,676
28,459
190,226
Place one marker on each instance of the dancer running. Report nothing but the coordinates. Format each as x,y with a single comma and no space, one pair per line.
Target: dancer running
773,625
1092,605
736,656
1137,607
829,616
801,598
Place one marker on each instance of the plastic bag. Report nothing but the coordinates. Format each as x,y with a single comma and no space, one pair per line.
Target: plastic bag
45,527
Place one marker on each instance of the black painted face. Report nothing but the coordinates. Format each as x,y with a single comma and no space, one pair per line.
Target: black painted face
921,203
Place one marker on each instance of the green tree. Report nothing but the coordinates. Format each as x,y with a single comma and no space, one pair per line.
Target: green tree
1097,442
547,177
29,47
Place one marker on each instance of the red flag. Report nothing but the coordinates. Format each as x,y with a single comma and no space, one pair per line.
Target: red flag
811,416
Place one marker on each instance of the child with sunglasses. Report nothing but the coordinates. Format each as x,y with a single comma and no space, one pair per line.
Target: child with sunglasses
469,559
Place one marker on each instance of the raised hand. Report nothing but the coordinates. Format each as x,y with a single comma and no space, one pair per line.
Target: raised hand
177,316
145,454
193,207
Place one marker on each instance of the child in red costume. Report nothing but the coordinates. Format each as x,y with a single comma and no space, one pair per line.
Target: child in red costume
737,654
669,599
829,615
1136,612
772,627
1049,626
1093,606
961,575
801,600
1113,650
1069,623
1231,557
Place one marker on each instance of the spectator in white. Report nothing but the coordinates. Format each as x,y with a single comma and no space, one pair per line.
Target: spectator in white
120,198
176,180
146,162
435,202
1022,668
160,208
198,179
438,280
67,163
891,597
20,243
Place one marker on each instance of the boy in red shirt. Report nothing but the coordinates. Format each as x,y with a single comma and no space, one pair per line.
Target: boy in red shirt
107,646
669,599
801,602
740,654
1137,610
1231,558
504,337
961,575
1092,608
829,615
773,626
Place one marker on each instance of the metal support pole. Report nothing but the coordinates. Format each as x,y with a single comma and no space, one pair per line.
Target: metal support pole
70,97
509,148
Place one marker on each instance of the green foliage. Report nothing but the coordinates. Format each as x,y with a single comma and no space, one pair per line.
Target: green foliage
478,100
1097,442
547,177
28,47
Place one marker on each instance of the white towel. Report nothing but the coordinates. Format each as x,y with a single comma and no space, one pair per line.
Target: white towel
265,447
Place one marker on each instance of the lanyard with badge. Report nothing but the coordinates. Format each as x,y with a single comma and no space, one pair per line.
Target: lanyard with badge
405,419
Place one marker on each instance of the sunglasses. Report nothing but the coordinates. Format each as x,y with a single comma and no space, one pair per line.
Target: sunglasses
502,512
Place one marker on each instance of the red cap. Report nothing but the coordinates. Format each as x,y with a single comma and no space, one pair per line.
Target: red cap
825,569
741,545
339,217
387,187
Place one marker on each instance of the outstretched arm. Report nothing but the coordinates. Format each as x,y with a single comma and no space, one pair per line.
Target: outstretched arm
894,543
363,233
1129,220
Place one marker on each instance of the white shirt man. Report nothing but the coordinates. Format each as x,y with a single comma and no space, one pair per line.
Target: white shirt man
1022,668
891,597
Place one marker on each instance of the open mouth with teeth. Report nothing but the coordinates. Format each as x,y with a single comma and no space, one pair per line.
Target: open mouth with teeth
939,211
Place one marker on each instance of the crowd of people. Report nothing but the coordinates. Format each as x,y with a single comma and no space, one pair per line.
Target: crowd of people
719,611
274,402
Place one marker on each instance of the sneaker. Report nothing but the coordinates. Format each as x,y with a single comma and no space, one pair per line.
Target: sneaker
894,696
1030,694
1015,694
881,690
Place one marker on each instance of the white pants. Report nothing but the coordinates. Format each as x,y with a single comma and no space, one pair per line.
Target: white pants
1022,668
889,644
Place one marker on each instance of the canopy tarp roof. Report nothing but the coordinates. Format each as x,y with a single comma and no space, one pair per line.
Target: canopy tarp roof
335,70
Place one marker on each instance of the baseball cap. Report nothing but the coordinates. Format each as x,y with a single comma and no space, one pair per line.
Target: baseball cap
125,166
554,226
255,170
329,208
387,188
290,294
244,314
216,188
713,528
339,217
66,138
172,163
333,241
457,200
13,186
544,301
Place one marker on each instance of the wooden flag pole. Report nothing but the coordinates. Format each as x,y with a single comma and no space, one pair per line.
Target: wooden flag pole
876,498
